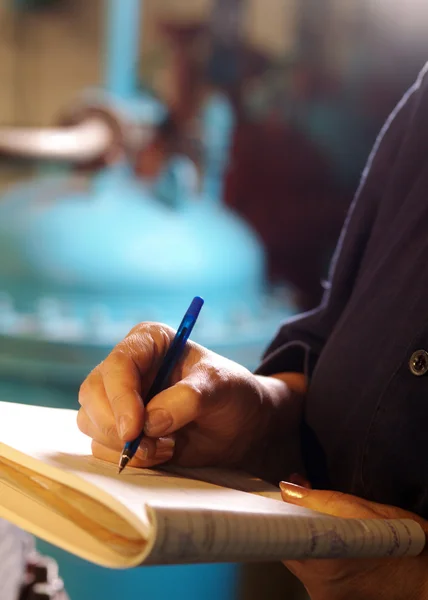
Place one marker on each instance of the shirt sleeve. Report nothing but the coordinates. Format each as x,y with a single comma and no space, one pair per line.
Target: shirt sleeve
300,341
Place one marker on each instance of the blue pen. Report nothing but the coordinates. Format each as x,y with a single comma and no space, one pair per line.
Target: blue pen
161,380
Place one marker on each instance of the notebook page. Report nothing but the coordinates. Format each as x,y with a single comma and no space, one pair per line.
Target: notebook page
220,522
237,480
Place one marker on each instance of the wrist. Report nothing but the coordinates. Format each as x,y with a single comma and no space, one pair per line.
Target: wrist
275,452
283,396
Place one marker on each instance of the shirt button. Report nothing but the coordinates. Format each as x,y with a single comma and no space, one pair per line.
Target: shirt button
419,363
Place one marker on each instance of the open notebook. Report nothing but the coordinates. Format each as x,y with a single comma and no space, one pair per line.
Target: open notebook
51,486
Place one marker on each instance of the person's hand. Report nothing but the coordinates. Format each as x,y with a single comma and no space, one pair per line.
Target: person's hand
212,413
358,579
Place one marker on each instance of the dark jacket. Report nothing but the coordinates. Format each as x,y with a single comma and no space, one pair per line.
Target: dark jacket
365,427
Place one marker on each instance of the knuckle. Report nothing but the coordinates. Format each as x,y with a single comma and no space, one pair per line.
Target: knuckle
100,431
96,449
152,329
145,341
218,376
148,336
194,395
333,498
86,387
82,393
386,512
102,452
119,399
109,431
82,421
139,329
117,359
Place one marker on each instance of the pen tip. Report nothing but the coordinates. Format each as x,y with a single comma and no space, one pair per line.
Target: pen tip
124,460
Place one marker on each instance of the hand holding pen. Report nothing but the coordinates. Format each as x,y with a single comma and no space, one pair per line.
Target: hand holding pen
172,356
214,410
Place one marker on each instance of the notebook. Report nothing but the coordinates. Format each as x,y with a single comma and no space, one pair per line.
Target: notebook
52,487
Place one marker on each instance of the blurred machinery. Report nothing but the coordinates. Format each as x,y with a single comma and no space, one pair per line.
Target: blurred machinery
87,253
41,580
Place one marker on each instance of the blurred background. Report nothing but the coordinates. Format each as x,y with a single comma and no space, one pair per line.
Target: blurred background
151,150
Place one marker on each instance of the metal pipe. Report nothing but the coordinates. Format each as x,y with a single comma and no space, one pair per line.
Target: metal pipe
83,142
122,46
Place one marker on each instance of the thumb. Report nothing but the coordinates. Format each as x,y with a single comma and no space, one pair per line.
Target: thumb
173,409
177,406
341,505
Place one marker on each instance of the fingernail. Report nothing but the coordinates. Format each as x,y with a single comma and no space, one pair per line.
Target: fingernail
143,452
165,444
157,422
292,491
125,423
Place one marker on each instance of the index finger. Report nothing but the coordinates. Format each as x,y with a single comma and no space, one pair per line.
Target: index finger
122,383
127,372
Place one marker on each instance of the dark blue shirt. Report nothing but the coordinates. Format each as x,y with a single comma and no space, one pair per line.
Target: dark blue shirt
365,427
